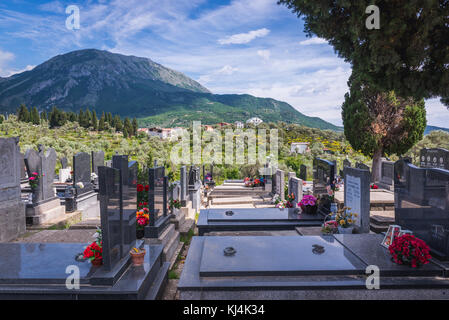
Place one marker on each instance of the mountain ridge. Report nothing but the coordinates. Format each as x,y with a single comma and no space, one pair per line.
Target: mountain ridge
136,87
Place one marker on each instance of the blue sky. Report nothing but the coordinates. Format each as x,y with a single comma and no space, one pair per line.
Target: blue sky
239,46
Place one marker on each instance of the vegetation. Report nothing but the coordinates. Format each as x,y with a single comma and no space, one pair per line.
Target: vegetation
72,138
381,123
407,54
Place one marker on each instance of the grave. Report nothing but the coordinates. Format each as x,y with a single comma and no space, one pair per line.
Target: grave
357,196
303,172
64,162
261,219
295,186
23,170
44,207
12,209
323,176
160,230
434,158
280,184
302,267
422,204
194,187
40,272
386,175
183,183
85,199
97,160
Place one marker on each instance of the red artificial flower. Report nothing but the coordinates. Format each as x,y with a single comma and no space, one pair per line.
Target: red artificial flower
147,187
140,188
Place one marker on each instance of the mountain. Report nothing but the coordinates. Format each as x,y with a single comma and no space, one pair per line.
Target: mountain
429,129
136,87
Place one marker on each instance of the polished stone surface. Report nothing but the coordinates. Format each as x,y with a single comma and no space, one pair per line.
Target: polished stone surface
323,174
111,194
367,247
357,196
275,256
254,215
434,158
422,204
41,262
97,160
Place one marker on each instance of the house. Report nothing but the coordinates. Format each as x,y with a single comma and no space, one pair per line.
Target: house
255,121
163,133
224,124
299,147
208,128
144,130
239,125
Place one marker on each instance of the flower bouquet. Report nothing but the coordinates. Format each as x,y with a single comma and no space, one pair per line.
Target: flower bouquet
142,220
34,180
345,220
308,204
330,227
174,204
94,251
409,250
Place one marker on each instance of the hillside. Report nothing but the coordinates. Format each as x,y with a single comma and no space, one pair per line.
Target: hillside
136,87
430,129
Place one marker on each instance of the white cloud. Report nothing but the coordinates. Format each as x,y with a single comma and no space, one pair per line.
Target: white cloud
265,54
5,58
54,7
227,70
312,41
242,38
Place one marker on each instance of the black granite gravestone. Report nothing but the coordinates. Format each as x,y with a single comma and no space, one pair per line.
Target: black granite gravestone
97,160
44,164
157,202
323,175
23,170
346,163
183,181
422,204
434,158
12,209
110,194
121,162
387,174
82,173
303,172
64,162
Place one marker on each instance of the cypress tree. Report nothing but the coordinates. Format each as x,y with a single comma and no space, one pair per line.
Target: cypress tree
118,123
44,116
94,121
101,124
23,114
125,132
135,127
35,118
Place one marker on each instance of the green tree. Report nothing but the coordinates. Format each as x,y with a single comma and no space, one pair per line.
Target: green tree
117,123
135,127
2,118
35,118
381,123
94,122
125,132
128,126
57,118
23,114
44,116
407,54
101,123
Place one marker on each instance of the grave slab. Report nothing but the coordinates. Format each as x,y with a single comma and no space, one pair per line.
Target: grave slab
253,219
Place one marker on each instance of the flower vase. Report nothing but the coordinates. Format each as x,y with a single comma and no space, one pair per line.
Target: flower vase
140,233
97,262
347,230
310,209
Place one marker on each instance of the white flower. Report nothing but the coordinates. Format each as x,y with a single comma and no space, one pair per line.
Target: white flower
80,185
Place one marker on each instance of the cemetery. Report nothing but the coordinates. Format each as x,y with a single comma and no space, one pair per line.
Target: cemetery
275,236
